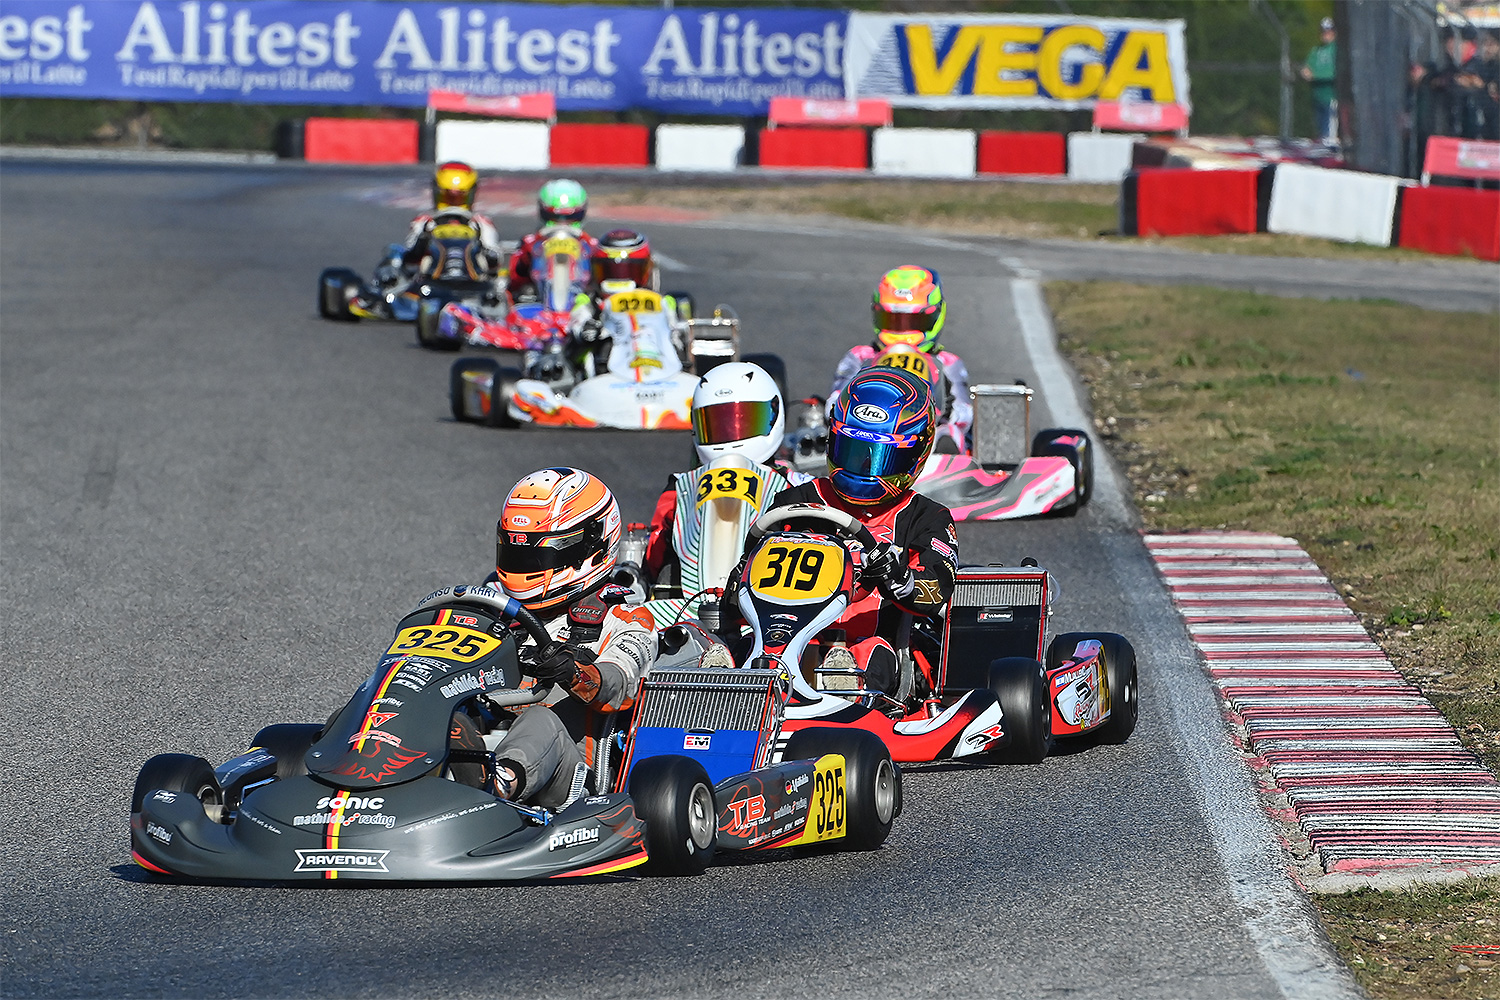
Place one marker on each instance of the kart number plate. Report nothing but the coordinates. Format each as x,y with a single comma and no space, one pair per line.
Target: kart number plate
462,644
638,301
562,246
737,484
828,810
454,231
914,362
796,572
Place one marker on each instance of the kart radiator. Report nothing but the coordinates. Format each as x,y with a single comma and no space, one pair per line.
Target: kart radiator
1000,431
727,718
996,611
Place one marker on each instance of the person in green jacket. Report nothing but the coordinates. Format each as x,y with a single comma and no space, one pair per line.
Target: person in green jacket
1320,70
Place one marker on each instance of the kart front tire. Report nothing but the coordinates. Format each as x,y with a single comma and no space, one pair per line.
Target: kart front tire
177,772
1119,675
502,387
288,743
1080,456
428,313
675,798
872,782
334,289
1020,684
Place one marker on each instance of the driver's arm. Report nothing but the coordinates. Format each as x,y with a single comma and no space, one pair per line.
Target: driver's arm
623,651
932,553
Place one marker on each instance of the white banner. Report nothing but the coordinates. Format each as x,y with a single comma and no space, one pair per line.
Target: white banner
1014,60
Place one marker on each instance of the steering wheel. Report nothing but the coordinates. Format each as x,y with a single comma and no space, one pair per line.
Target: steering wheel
844,525
508,609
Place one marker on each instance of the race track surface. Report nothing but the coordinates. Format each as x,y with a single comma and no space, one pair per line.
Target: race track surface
215,506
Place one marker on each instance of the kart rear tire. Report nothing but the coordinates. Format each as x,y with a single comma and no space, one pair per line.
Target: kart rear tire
1119,674
1020,684
333,294
685,304
428,313
675,799
774,367
288,743
1080,456
872,782
177,772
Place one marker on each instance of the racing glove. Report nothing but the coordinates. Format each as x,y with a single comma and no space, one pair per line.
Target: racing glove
554,663
885,566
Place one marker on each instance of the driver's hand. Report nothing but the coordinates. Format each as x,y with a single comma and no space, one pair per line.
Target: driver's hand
554,663
885,567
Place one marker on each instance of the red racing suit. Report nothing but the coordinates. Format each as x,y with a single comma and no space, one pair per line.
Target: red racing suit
520,260
874,620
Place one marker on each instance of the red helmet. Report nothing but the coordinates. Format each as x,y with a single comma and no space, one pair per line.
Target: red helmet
556,538
624,255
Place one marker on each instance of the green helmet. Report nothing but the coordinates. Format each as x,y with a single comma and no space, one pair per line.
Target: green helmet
562,202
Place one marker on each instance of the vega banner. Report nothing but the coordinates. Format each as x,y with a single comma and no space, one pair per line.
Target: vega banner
1014,60
693,60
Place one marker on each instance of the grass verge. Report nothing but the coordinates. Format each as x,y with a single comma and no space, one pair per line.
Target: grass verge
1370,432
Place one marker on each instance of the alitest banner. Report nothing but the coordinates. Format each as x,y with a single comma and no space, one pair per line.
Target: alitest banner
1014,60
693,60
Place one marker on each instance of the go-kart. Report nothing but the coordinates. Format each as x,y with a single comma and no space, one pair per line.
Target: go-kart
981,686
454,270
399,784
651,367
533,320
992,477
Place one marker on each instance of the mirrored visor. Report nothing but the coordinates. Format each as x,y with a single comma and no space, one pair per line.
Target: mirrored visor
871,458
535,552
887,319
720,423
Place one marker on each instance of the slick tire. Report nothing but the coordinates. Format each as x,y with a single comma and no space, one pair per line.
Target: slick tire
1020,684
288,743
676,800
428,313
1079,455
335,285
774,367
1119,674
872,782
502,387
177,772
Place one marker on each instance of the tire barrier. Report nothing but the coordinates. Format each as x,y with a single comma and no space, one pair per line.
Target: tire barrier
498,145
816,148
1451,220
1334,204
1100,158
1169,201
1022,153
708,148
923,152
360,140
577,144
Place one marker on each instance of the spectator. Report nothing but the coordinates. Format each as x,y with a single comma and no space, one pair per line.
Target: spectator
1320,70
1440,99
1479,82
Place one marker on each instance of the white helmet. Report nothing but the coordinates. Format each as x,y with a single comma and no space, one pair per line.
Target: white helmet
737,410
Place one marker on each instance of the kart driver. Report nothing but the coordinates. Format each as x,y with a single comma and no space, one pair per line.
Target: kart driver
909,308
737,410
559,202
554,552
881,431
454,185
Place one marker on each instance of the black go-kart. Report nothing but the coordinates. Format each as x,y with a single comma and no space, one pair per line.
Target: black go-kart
399,784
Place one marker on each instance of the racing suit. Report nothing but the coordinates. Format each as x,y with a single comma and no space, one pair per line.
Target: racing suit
612,645
661,552
957,411
875,621
520,260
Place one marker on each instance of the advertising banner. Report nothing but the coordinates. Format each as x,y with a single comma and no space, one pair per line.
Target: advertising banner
729,61
1011,61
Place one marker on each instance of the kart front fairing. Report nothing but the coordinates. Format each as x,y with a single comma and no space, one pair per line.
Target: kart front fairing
643,386
1039,485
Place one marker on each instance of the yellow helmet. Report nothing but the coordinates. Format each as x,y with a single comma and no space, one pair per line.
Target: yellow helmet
454,185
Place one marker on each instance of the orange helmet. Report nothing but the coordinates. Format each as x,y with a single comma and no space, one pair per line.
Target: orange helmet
556,538
453,186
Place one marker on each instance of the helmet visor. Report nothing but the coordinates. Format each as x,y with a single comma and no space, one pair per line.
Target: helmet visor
859,457
633,269
536,552
906,322
720,423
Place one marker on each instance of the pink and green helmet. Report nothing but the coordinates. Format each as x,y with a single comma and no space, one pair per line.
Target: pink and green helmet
909,308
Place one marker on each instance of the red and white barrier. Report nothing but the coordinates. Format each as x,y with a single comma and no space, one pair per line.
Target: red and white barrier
495,145
360,140
1098,157
815,148
1172,201
1333,204
611,144
1451,220
1022,153
923,152
708,148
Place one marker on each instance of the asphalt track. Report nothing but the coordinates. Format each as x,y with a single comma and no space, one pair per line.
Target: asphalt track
215,505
